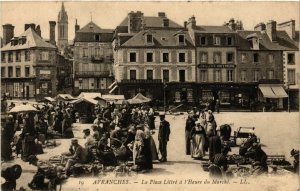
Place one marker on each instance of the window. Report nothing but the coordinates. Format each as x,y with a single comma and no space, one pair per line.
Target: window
244,58
2,72
3,59
181,75
27,55
165,57
85,52
217,75
44,55
181,57
255,57
291,76
217,58
229,57
229,41
97,52
27,71
203,57
166,75
149,39
10,72
243,76
97,37
203,76
217,40
291,58
18,72
132,57
18,56
149,57
256,76
229,75
270,74
10,56
271,58
132,74
202,40
149,74
181,39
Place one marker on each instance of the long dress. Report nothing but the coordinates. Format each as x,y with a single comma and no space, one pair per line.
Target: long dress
198,142
138,143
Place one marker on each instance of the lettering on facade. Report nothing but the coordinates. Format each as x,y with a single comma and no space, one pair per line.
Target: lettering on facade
216,65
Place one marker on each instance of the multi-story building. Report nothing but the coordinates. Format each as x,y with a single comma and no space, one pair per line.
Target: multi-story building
260,64
93,59
150,51
62,29
216,60
28,64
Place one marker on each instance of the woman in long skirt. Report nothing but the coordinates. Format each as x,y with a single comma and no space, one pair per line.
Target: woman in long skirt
147,149
198,141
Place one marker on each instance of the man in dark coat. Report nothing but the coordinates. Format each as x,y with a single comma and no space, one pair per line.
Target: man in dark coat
163,137
190,123
215,146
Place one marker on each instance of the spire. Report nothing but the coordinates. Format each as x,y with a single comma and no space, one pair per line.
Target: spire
62,7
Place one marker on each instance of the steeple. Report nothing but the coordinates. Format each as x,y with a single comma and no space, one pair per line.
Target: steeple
62,28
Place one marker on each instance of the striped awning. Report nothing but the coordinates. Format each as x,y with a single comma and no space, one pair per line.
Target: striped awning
272,91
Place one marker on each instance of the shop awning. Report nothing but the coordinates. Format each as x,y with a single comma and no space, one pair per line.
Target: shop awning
272,91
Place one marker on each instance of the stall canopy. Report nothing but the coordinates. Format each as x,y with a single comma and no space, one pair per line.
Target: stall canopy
22,108
139,99
92,95
64,97
272,91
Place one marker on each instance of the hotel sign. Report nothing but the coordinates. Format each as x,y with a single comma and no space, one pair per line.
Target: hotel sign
216,65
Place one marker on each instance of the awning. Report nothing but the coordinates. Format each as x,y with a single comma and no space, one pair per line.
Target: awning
272,91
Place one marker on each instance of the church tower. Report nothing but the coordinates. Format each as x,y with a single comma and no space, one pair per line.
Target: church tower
62,27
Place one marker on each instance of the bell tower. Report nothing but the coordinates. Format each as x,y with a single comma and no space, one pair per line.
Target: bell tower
62,27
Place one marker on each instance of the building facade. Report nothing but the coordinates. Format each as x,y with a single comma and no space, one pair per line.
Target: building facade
28,66
62,29
150,52
93,59
291,63
216,61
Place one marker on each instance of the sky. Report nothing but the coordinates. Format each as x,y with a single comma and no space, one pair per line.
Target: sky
110,14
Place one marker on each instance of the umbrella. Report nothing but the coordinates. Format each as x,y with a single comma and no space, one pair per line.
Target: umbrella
139,99
22,108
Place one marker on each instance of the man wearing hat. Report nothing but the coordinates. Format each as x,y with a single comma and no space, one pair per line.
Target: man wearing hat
77,155
163,137
190,123
259,158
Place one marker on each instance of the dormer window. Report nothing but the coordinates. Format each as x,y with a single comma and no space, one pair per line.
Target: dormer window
97,37
149,38
217,40
202,40
181,39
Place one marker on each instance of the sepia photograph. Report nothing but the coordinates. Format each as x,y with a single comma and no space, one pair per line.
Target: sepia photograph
150,95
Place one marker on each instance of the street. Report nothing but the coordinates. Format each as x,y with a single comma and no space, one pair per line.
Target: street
278,133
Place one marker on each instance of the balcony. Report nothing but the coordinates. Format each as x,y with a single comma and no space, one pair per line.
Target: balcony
140,81
92,74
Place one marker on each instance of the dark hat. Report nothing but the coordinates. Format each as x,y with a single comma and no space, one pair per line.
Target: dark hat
86,131
294,152
73,141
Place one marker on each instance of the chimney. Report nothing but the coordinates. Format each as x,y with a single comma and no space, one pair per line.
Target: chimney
260,27
161,14
77,27
8,33
271,30
166,22
135,21
38,30
239,25
231,24
52,32
289,28
185,24
191,22
31,25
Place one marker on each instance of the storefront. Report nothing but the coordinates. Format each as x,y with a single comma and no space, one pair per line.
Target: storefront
272,95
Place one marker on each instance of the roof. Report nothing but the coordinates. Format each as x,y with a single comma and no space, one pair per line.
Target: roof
212,29
91,27
161,38
153,22
92,95
265,43
33,40
65,96
113,97
284,40
85,99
